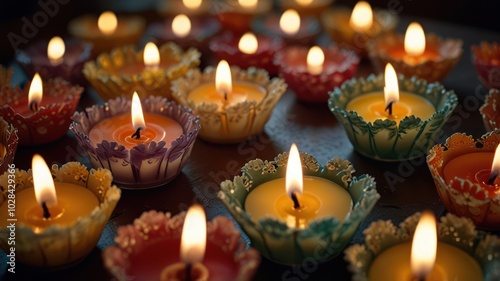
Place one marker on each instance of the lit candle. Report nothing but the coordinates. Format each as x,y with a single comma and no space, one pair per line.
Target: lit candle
237,15
55,50
181,25
315,60
425,258
306,198
290,22
397,105
136,128
248,4
151,62
107,23
362,17
306,7
224,92
248,43
50,203
415,51
191,8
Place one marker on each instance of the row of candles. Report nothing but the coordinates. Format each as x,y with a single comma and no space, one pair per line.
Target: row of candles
122,129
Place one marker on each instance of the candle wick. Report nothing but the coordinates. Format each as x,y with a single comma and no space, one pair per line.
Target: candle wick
296,204
493,177
137,134
189,268
225,95
46,213
34,106
389,107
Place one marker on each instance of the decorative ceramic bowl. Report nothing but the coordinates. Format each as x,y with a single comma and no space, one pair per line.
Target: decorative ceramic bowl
53,117
155,229
269,26
237,19
237,122
8,144
455,231
486,60
489,110
386,140
325,237
463,196
145,165
104,76
381,51
56,246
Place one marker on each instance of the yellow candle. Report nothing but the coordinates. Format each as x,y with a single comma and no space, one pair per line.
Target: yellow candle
225,92
372,106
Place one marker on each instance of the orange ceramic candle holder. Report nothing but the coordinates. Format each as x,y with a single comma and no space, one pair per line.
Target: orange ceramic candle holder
390,49
144,165
489,110
105,77
57,246
486,60
157,237
53,117
8,144
463,195
457,232
237,19
314,8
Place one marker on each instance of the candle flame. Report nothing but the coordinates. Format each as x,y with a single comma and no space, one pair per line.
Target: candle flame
304,2
248,43
151,55
56,49
391,89
194,235
107,22
424,246
294,178
137,115
290,22
315,59
192,4
45,191
249,4
35,93
414,39
181,25
361,17
223,80
495,166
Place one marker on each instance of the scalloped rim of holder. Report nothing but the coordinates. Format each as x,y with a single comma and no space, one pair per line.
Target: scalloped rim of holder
326,229
153,225
489,110
381,235
10,140
484,52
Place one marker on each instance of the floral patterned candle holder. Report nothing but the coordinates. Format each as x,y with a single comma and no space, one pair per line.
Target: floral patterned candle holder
269,26
237,122
8,144
157,236
122,71
385,139
53,117
486,60
144,165
61,246
325,237
236,18
339,66
489,110
306,7
34,59
454,231
390,49
464,191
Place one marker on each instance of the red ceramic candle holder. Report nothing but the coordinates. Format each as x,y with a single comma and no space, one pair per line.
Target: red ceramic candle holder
225,47
270,26
390,49
171,8
489,110
34,59
237,19
8,144
486,60
53,117
156,245
314,8
467,194
339,66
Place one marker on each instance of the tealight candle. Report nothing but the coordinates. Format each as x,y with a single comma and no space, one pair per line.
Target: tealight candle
306,7
305,199
151,62
415,50
395,105
236,15
424,259
191,8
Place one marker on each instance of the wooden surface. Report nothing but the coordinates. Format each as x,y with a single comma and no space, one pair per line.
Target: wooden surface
405,187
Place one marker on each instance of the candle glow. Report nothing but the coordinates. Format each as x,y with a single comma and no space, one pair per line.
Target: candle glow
495,166
194,235
223,81
249,4
151,55
294,181
361,17
45,191
304,2
192,4
248,43
107,22
137,115
290,22
414,43
181,25
315,59
56,49
391,89
424,246
35,93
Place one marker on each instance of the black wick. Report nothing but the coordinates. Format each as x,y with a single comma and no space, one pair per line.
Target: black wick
46,213
492,178
296,204
137,134
389,107
189,267
225,95
34,106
